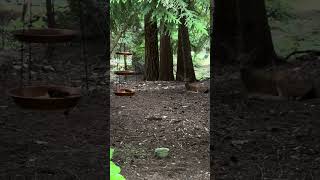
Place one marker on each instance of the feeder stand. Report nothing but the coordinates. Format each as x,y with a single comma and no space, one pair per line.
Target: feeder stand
123,91
45,97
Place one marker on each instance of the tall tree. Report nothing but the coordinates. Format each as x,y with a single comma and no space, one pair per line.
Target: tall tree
151,65
166,56
241,27
170,12
50,13
185,70
255,32
225,31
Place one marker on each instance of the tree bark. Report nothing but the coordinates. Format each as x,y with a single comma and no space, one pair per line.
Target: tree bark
241,27
151,49
166,58
225,31
255,33
185,70
180,61
50,14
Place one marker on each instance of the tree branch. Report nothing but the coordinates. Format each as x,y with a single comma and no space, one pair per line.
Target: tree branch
317,52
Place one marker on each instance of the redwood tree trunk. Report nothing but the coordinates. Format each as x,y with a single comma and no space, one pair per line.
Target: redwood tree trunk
185,70
151,49
180,61
166,58
241,27
255,32
50,14
226,33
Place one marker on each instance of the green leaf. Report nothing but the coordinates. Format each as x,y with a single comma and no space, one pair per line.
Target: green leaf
114,169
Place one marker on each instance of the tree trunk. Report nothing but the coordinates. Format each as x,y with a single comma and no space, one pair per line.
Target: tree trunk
95,19
151,49
255,33
51,24
180,61
225,32
185,70
166,58
50,14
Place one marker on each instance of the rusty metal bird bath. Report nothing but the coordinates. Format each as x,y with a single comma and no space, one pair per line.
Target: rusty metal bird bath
124,92
46,98
125,73
48,35
125,53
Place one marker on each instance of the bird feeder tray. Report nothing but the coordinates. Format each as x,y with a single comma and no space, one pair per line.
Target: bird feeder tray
46,98
48,35
124,53
124,92
126,72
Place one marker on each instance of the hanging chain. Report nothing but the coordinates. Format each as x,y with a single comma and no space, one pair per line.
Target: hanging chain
118,69
83,43
22,46
29,44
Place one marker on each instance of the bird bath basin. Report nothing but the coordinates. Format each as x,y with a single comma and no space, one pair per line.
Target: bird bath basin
46,97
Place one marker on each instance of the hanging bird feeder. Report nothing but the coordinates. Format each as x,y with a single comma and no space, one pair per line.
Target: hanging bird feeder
120,90
124,92
48,98
125,53
125,73
48,35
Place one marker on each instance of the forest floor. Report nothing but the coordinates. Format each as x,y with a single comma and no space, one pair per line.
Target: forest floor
161,114
47,145
263,139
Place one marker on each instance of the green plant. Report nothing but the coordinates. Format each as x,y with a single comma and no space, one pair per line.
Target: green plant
114,169
127,25
278,10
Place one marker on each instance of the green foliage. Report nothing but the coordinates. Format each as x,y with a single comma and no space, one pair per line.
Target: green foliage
278,9
65,18
114,169
168,12
298,32
127,21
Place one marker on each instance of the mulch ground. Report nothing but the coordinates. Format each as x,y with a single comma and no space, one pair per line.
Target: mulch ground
49,145
253,139
161,114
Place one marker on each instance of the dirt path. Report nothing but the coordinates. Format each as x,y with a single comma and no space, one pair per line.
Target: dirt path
161,114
